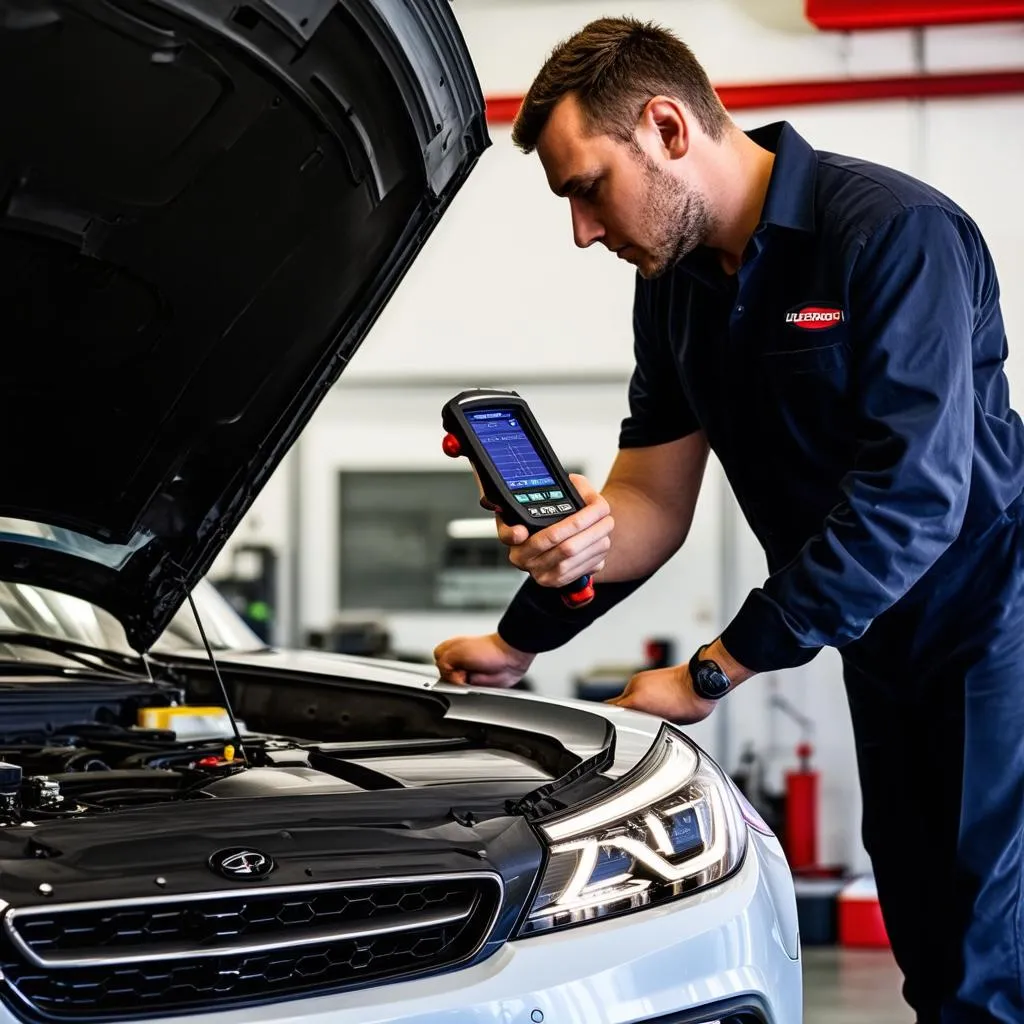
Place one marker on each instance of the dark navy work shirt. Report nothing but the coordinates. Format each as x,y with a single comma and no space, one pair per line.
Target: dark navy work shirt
850,381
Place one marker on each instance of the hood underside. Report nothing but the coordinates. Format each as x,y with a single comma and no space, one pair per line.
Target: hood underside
204,206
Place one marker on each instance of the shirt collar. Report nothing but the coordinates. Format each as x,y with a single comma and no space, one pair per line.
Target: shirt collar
789,202
790,199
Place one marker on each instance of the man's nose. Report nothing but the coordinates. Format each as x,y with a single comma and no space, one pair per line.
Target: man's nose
586,228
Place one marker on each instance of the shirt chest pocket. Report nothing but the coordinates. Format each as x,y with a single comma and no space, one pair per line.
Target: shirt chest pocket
806,383
827,360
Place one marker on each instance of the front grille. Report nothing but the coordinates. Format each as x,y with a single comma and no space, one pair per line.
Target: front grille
207,951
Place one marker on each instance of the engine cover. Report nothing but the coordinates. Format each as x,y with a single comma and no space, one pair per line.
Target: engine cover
255,782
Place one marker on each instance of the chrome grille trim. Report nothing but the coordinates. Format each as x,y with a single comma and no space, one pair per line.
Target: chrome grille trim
156,955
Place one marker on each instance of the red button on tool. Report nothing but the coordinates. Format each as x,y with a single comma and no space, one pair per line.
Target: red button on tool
451,447
578,598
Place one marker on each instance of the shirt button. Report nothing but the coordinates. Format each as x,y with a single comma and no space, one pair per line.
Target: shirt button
740,310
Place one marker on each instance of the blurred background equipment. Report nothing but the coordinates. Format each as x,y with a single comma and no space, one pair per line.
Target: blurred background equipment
251,586
475,571
360,633
607,680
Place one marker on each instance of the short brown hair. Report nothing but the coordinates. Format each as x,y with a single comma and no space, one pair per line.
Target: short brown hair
614,66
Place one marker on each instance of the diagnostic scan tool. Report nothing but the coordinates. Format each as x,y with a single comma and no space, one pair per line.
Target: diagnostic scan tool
518,472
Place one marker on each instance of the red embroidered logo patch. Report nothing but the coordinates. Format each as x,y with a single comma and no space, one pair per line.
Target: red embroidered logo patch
815,318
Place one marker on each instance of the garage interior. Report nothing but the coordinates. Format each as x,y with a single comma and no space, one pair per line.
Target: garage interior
328,558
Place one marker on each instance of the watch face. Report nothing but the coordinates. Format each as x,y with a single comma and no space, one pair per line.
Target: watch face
711,681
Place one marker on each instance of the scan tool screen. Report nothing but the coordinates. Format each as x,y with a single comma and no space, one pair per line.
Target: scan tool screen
510,449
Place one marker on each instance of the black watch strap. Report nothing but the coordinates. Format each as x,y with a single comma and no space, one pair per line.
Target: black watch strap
709,681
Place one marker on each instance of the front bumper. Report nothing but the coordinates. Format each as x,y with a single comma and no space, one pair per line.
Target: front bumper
700,959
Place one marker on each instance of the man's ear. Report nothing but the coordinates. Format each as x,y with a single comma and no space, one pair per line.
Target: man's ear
667,120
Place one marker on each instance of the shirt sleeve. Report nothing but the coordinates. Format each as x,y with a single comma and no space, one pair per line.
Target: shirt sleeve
658,408
911,302
536,620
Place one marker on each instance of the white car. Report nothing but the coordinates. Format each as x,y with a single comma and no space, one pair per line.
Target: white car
390,849
205,206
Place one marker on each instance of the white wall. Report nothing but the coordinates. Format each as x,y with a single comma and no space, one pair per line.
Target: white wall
501,297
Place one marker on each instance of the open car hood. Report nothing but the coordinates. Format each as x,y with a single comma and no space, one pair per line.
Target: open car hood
204,206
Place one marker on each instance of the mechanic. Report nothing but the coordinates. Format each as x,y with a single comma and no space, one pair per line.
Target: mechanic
831,329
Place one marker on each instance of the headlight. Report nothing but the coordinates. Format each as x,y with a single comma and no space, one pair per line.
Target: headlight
667,829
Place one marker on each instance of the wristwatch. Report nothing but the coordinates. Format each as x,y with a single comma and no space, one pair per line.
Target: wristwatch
709,681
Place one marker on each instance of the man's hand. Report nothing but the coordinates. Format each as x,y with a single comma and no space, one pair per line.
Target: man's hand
574,547
668,692
481,661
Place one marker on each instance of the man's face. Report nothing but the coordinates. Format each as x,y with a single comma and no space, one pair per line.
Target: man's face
621,195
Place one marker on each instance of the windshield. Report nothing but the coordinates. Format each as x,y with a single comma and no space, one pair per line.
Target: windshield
29,609
223,626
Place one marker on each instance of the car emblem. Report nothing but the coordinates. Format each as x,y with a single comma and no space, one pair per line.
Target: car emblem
238,862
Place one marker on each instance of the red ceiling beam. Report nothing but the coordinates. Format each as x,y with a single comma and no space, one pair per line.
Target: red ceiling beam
501,110
853,15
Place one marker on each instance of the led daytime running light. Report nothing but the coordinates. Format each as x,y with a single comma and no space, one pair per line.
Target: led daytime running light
667,829
663,773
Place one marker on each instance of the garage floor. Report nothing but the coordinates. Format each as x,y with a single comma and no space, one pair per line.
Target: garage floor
846,986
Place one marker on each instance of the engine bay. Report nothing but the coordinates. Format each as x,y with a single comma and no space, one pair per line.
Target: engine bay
93,757
92,768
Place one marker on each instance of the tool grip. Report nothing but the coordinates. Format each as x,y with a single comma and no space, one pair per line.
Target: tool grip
578,594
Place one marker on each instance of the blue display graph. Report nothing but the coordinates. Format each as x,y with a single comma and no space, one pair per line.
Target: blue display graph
511,451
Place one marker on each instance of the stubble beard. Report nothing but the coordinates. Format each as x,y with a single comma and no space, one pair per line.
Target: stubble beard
677,216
